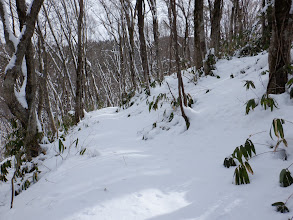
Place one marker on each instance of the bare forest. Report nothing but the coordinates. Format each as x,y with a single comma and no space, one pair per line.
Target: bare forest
60,59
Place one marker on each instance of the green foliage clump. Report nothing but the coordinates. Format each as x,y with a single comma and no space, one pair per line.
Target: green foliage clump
82,151
126,98
190,100
229,162
268,102
153,84
250,105
251,49
281,207
171,117
210,63
290,83
154,104
277,127
249,84
25,171
241,154
4,170
61,146
285,178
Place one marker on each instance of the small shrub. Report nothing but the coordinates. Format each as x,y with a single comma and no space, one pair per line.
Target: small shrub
277,127
171,117
4,170
281,207
190,100
249,84
229,162
250,105
82,151
153,84
268,102
242,154
285,178
126,98
154,104
61,147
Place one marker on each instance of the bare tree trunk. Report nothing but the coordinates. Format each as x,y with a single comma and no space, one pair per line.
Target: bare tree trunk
199,34
31,86
231,31
175,46
215,26
23,49
279,52
267,23
143,50
43,91
158,67
128,12
79,72
185,9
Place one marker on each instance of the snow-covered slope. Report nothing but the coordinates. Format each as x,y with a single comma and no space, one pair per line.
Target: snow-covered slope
135,170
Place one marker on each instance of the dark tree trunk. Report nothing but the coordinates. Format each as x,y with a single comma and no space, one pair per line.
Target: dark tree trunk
199,36
23,49
79,114
143,49
279,52
231,31
267,23
215,26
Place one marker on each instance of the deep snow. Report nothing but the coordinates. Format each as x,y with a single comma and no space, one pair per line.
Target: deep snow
172,174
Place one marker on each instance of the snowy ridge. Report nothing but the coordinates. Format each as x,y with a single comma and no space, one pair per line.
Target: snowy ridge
172,174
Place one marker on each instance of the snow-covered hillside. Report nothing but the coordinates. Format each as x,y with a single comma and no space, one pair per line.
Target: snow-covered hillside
134,169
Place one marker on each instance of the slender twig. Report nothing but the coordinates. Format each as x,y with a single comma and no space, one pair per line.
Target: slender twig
256,133
264,153
288,199
288,121
171,91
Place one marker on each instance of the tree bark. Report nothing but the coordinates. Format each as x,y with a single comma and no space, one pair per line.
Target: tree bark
158,67
178,67
279,52
43,91
79,114
23,49
128,12
143,50
199,34
216,26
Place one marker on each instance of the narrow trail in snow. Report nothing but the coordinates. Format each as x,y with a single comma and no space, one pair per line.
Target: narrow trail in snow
175,174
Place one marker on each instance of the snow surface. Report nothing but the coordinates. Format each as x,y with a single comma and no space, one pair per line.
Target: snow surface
172,174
